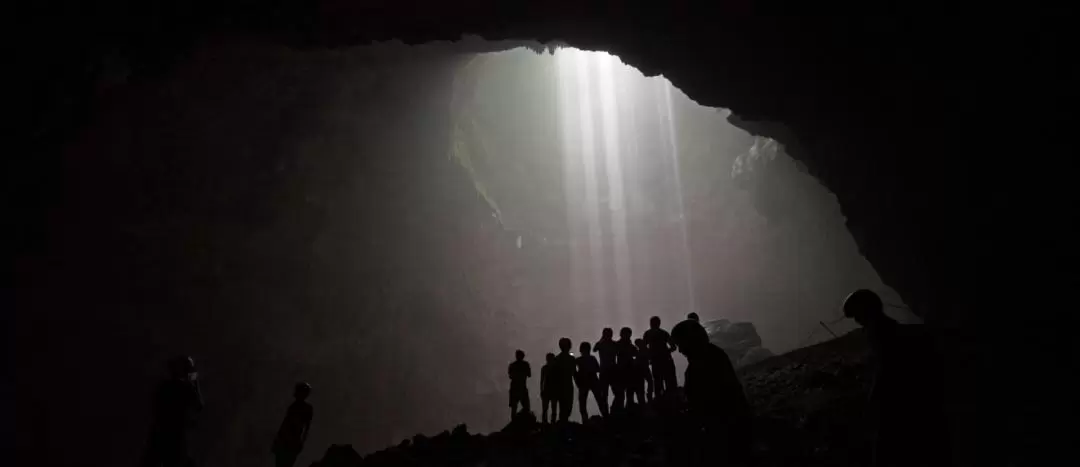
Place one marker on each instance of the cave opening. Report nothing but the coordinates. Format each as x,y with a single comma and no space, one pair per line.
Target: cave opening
335,215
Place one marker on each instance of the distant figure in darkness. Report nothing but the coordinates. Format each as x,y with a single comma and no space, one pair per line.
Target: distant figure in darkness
905,397
547,396
626,371
643,384
714,394
605,349
693,317
588,380
562,379
663,366
519,372
294,429
176,402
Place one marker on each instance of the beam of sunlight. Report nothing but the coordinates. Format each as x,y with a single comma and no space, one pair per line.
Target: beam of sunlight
616,200
592,182
674,154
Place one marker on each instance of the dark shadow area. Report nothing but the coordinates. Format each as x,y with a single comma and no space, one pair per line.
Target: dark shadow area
228,180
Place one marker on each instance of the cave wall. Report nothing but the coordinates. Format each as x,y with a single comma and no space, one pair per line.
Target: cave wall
863,102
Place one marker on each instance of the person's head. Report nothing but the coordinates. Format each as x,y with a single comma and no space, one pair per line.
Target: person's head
640,343
550,357
864,306
625,333
654,322
519,355
689,337
585,348
607,333
565,344
302,391
693,317
181,367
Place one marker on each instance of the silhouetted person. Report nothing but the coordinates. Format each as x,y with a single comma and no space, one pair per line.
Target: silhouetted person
643,384
176,402
663,366
713,392
294,429
605,349
626,371
547,392
588,380
905,396
519,372
693,317
562,379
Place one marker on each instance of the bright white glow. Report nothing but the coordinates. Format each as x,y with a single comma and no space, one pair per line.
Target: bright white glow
597,96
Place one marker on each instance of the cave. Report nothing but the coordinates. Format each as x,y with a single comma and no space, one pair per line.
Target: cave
849,100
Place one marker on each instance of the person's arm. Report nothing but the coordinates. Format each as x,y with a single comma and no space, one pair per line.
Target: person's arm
543,379
198,395
528,371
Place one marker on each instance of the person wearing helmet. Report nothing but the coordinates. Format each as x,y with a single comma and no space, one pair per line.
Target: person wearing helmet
905,394
643,382
547,393
519,372
588,380
715,397
659,344
605,349
176,402
625,369
294,429
562,379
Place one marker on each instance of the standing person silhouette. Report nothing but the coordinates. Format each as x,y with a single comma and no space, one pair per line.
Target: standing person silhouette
714,394
588,380
562,379
294,429
519,372
605,349
176,402
626,371
643,383
547,391
905,399
663,366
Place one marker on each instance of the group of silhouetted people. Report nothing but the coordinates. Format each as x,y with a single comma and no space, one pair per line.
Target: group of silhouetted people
628,372
905,398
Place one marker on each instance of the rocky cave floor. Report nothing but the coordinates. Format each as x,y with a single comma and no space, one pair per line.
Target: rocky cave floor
810,407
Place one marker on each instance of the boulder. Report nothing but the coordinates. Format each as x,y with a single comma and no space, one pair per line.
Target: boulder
740,340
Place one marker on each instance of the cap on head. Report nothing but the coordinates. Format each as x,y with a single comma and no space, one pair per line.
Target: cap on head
626,332
519,354
302,390
689,336
607,332
585,347
861,304
565,344
693,317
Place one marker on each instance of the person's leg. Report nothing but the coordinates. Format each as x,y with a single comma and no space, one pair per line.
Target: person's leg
672,381
544,402
526,406
620,396
658,379
601,399
583,403
566,405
